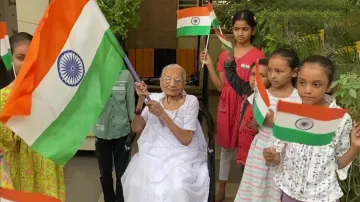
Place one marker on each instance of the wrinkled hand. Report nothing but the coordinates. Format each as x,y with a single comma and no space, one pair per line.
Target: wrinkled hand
156,109
205,57
269,119
355,136
141,89
271,156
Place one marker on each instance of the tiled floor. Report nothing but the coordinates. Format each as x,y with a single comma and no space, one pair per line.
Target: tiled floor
82,175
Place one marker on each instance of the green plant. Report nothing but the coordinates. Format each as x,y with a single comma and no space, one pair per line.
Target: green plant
122,15
347,92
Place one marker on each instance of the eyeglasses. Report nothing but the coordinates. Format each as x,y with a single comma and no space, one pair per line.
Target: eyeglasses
168,79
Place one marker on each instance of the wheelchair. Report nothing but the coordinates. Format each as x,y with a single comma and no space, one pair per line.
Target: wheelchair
203,117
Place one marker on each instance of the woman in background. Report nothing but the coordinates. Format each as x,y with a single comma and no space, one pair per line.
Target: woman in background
29,171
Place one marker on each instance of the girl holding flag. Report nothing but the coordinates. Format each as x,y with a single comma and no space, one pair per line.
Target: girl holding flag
228,116
30,172
308,173
257,184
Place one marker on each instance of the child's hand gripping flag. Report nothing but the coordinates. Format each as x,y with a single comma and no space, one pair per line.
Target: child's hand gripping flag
306,124
260,99
11,195
5,50
193,21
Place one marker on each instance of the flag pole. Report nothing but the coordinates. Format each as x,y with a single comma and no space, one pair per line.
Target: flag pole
13,67
206,49
133,72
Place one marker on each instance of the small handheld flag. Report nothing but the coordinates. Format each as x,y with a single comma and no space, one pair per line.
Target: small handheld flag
261,102
306,124
227,44
214,21
5,49
193,21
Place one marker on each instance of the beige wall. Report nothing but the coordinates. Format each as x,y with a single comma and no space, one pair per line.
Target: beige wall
29,14
8,14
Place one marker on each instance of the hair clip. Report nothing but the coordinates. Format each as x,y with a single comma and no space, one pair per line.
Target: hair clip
254,17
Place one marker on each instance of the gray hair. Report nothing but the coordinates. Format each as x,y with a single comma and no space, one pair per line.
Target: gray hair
172,66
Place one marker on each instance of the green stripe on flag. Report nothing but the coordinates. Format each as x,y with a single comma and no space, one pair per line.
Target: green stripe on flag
215,23
257,114
302,137
7,59
193,31
72,126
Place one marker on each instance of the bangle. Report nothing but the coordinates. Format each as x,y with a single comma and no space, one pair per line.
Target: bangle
138,112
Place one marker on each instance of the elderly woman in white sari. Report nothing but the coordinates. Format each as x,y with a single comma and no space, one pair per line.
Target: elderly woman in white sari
171,165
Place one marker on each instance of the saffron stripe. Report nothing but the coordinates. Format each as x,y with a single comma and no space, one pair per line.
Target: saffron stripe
311,111
193,12
19,102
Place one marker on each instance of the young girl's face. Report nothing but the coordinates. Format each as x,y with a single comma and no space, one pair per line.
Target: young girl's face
19,52
312,83
280,74
263,73
242,32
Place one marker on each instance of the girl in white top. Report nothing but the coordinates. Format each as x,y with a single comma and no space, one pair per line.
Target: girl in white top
308,173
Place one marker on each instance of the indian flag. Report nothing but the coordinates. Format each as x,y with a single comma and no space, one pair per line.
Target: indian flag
193,21
214,21
261,102
64,82
11,195
5,49
307,124
226,43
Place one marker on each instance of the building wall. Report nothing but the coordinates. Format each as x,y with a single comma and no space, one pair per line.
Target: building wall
8,14
29,14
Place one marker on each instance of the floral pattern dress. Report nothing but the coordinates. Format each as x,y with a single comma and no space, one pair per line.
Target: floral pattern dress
309,173
29,170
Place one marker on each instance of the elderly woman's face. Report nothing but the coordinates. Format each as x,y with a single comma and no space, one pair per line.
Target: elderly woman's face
172,82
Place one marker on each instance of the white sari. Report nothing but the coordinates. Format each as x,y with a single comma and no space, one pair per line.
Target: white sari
164,170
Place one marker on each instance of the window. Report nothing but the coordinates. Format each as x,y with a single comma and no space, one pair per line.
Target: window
187,4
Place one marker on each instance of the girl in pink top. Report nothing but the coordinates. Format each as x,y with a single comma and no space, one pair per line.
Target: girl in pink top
228,116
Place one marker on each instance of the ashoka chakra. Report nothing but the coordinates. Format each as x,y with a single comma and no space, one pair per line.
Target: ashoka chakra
304,124
70,68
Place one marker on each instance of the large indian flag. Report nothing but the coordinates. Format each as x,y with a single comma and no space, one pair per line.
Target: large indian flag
193,21
5,50
307,124
261,101
11,195
66,80
214,21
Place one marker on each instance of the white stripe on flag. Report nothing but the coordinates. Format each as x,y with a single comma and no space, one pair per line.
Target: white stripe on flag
4,45
261,104
5,200
84,39
185,22
287,120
